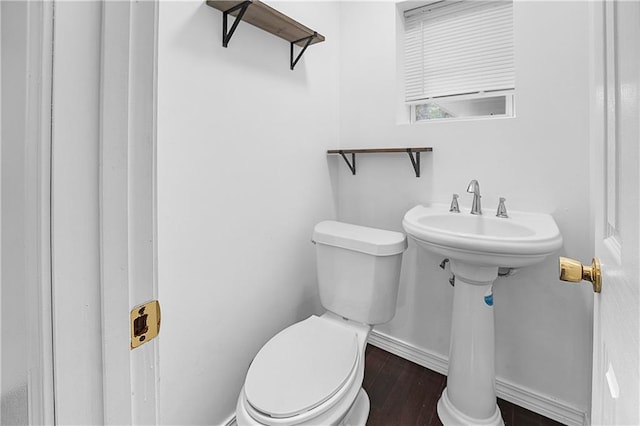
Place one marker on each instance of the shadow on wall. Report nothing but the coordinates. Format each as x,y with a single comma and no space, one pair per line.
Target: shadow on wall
14,406
381,180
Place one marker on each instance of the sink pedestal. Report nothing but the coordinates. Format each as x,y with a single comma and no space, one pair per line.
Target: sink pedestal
470,395
476,246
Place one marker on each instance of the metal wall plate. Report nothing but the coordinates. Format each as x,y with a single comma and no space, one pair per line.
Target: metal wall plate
145,323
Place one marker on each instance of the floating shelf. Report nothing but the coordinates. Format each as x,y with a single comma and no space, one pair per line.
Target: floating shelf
268,19
414,155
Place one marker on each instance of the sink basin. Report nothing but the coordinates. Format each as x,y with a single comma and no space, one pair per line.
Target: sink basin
522,239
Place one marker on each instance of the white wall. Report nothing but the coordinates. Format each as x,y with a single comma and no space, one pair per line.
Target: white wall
242,179
537,161
13,309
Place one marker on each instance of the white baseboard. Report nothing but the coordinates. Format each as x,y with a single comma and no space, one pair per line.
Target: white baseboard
545,405
423,357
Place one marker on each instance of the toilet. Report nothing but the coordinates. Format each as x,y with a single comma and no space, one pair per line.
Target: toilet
311,372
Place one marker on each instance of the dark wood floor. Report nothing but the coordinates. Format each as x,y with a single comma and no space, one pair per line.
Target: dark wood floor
404,393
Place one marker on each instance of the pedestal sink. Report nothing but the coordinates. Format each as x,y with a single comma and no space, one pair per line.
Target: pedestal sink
477,246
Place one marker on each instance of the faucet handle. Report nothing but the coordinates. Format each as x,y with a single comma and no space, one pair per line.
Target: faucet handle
454,204
502,209
474,187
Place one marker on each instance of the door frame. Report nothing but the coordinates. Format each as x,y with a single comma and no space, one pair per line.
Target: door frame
37,236
127,207
115,152
597,130
38,213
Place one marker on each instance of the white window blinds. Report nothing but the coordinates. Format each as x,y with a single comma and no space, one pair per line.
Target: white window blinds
458,47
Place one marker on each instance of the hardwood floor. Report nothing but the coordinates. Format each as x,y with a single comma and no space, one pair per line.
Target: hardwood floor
403,393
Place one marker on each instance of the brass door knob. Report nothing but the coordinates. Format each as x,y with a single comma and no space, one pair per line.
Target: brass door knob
573,271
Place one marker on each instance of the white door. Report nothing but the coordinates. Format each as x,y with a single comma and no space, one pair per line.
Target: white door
615,184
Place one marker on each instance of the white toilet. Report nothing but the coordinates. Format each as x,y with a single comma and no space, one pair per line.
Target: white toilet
311,372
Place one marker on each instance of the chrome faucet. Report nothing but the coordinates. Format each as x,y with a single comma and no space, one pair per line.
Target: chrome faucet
474,187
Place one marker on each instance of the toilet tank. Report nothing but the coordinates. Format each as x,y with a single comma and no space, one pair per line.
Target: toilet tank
358,270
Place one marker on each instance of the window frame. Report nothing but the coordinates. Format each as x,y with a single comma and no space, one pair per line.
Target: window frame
411,105
510,106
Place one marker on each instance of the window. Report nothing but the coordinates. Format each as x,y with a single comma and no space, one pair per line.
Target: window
459,59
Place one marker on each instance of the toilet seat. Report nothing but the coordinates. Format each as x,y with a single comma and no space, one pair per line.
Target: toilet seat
302,368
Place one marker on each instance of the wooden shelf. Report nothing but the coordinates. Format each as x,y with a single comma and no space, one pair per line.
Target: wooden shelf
378,150
413,152
267,19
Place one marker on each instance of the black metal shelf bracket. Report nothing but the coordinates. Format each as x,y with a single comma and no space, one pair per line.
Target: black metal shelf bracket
226,35
307,41
415,162
413,153
352,164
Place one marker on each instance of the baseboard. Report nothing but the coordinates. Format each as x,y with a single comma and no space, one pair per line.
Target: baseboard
431,360
545,405
539,403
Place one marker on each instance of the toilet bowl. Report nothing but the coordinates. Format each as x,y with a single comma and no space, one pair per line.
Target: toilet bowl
311,372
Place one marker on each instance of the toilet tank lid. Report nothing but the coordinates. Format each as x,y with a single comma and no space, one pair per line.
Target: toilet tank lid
377,242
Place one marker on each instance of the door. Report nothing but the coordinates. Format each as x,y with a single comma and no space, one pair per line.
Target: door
615,183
